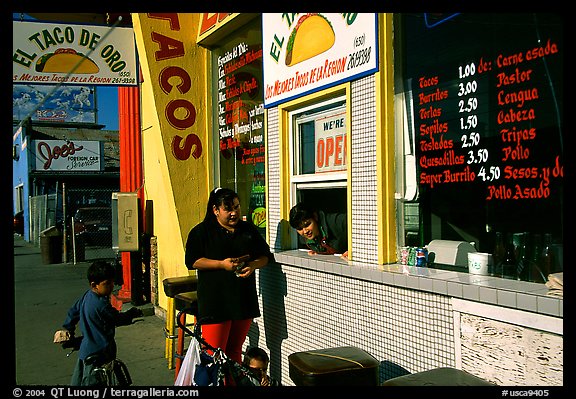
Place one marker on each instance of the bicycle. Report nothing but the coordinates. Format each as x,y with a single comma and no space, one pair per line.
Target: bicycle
205,365
109,374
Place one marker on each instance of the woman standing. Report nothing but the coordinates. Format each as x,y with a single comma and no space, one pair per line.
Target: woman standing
226,250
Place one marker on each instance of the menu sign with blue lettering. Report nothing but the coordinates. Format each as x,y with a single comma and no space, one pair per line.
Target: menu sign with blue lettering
306,52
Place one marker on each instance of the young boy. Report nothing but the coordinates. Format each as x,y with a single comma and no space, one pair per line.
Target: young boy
97,319
256,359
323,233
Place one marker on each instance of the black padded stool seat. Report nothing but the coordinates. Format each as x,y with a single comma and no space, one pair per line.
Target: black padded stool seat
188,301
345,365
176,285
185,303
442,376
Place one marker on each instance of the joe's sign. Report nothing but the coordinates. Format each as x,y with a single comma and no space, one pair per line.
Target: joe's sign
67,156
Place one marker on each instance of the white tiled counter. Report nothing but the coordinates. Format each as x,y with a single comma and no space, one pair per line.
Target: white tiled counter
414,319
522,295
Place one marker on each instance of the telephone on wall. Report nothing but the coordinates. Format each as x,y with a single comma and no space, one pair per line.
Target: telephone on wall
126,226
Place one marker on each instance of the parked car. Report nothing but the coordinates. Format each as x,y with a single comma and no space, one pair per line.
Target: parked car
94,225
19,223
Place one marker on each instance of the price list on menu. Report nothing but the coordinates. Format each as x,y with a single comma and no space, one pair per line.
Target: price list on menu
240,120
240,105
490,120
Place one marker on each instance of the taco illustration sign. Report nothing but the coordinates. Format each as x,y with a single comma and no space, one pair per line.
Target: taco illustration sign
51,53
306,52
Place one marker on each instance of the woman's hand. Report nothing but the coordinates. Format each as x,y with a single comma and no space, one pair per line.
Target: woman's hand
231,264
244,270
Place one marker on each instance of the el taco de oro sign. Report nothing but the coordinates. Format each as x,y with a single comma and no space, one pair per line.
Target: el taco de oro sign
53,53
306,52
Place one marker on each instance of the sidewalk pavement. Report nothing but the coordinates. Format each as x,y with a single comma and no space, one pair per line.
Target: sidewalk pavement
43,293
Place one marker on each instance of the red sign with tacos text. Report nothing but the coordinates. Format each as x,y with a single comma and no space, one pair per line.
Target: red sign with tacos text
53,53
307,52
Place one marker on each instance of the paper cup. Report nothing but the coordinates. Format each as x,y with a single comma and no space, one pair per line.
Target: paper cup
479,263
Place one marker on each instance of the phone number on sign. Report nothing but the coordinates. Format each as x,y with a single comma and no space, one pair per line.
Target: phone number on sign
124,80
358,58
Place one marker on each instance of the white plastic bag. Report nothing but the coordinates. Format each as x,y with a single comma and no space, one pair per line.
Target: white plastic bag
188,368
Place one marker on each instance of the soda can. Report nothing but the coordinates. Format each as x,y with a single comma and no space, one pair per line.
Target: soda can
404,253
412,257
421,257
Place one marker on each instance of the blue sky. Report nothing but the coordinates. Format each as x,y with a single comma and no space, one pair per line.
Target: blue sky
107,103
106,96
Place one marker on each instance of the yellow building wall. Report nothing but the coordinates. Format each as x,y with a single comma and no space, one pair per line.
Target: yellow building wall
385,143
175,124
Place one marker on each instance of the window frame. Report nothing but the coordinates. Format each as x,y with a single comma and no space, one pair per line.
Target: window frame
313,180
328,180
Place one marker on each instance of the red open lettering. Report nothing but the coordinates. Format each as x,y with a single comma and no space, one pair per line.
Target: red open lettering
339,159
331,151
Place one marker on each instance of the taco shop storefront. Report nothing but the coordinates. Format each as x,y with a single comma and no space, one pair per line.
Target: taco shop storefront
393,120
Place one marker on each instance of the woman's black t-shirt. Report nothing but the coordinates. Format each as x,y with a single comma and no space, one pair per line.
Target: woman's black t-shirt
221,294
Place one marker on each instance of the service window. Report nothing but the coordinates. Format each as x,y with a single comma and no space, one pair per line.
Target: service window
479,101
238,105
318,156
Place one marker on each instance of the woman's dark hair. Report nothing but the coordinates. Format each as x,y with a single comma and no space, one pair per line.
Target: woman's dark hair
99,271
220,196
300,212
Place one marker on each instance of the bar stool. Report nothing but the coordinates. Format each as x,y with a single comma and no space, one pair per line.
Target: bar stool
186,303
441,376
172,287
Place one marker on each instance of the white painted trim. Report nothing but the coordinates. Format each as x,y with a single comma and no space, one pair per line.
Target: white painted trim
514,316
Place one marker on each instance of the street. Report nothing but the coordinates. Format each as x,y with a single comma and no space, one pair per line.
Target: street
42,295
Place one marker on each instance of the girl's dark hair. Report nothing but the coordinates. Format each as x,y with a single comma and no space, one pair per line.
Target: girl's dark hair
300,212
99,271
220,196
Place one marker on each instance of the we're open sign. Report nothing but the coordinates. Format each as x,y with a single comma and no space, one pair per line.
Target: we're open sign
330,143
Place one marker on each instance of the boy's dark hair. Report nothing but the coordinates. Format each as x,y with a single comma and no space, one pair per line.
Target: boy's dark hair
255,352
300,212
99,271
220,196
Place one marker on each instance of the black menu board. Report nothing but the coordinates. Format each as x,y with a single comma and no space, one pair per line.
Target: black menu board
238,99
487,114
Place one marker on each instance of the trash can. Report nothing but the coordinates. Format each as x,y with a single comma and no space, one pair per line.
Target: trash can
443,376
346,365
51,245
79,248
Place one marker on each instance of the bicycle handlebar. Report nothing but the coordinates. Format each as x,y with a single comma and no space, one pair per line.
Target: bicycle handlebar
197,333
